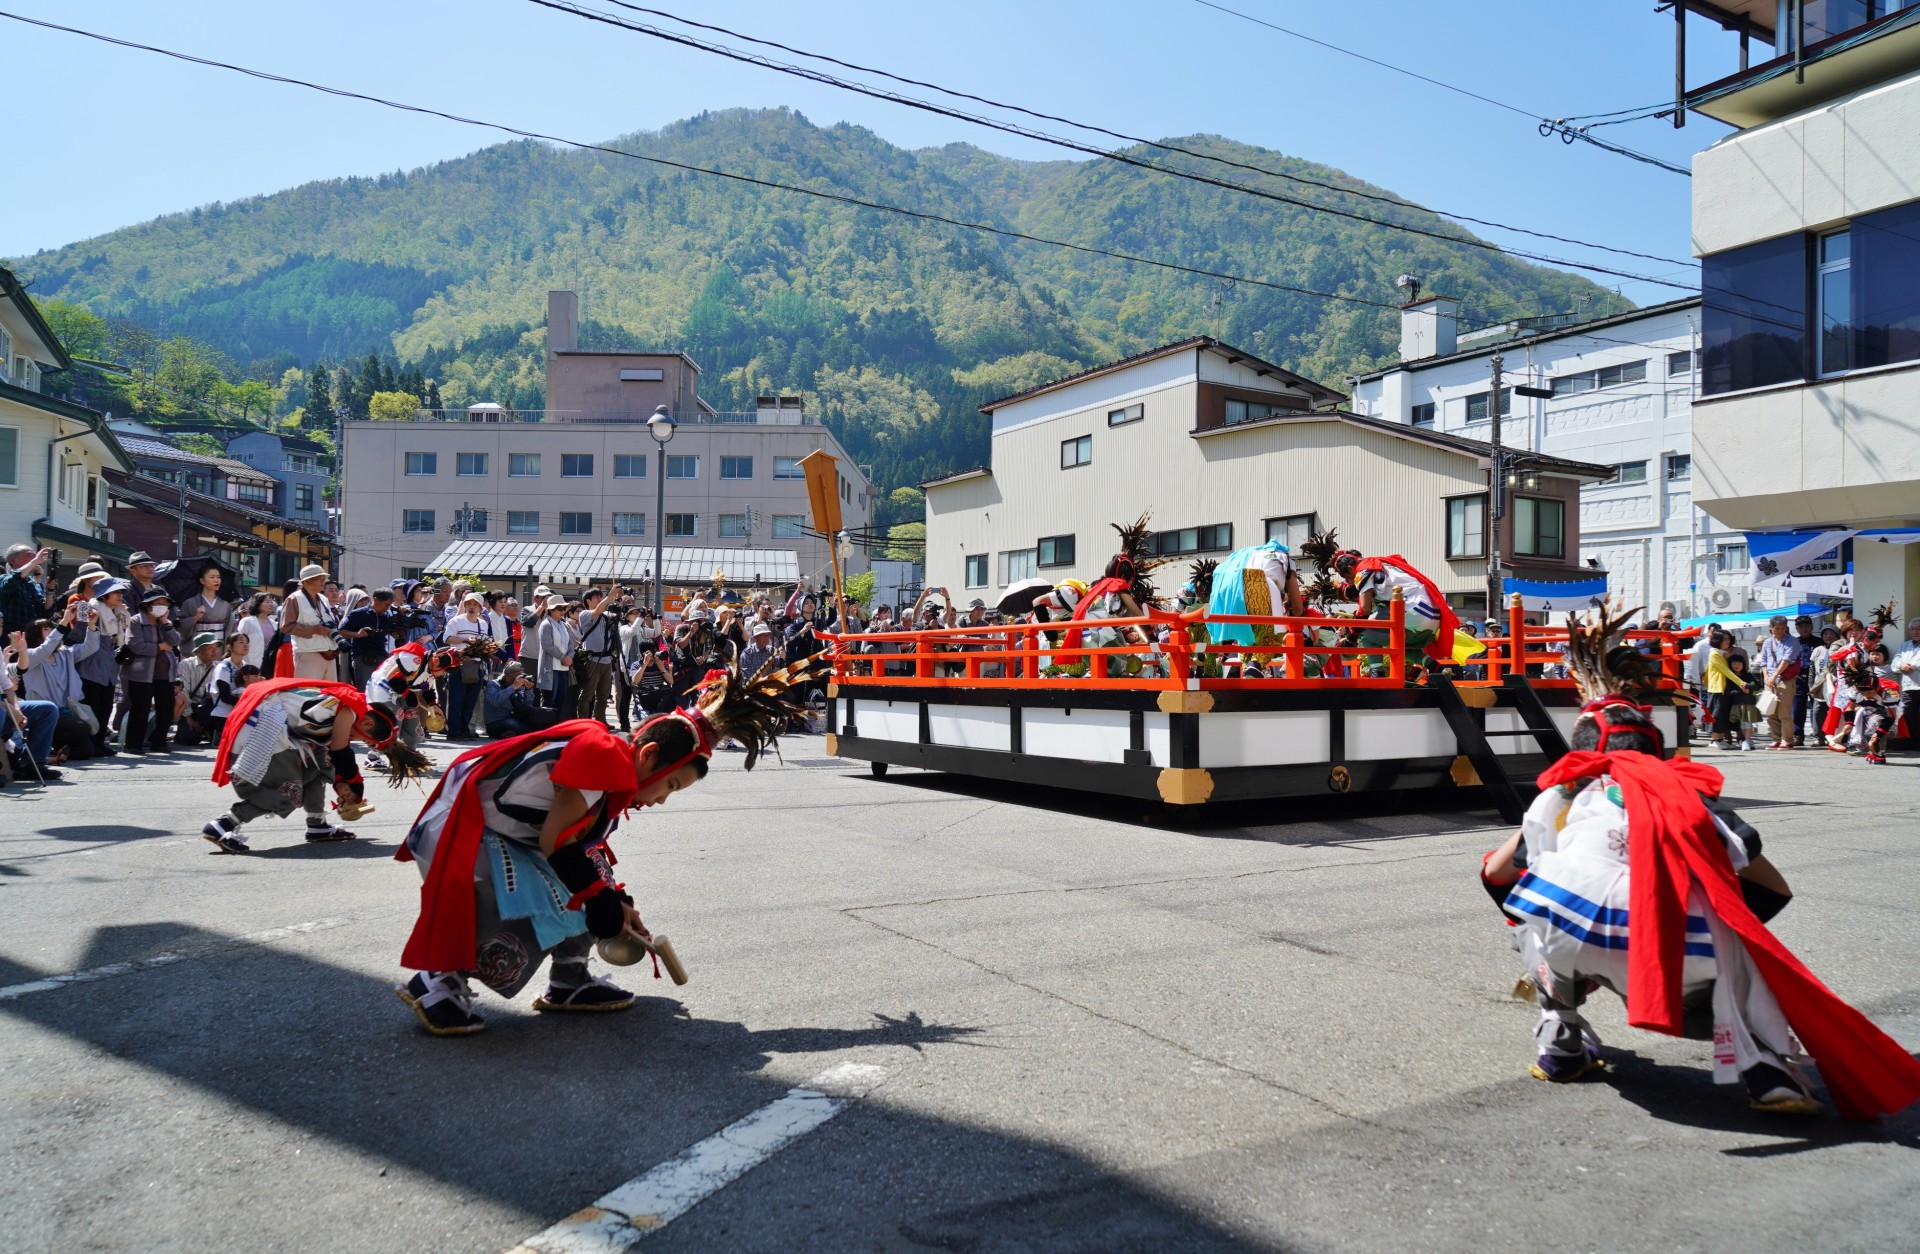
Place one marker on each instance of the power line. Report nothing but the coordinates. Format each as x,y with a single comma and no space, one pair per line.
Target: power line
1548,126
836,197
1163,146
817,76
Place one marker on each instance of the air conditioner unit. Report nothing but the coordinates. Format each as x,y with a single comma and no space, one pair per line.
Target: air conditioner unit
1721,598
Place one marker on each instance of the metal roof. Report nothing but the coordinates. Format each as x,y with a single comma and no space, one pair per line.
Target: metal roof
584,563
1193,342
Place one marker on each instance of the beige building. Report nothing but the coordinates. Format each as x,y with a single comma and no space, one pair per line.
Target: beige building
52,453
585,471
1227,450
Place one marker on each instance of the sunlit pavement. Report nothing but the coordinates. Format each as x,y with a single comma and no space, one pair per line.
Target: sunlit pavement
1072,1026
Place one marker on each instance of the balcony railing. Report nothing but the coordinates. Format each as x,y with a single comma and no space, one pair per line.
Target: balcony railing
786,417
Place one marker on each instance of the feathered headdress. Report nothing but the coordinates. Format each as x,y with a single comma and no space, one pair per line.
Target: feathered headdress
1598,668
1136,559
1324,591
1200,577
1882,616
753,709
1321,548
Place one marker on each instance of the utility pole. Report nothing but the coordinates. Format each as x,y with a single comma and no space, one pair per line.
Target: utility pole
1496,497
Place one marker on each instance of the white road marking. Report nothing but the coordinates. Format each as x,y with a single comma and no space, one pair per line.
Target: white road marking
51,982
650,1202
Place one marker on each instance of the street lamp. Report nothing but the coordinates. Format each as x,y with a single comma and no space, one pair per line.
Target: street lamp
660,427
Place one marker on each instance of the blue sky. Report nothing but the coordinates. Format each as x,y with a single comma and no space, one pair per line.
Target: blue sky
126,136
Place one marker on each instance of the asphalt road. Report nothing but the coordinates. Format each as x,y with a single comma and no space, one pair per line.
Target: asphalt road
1099,1031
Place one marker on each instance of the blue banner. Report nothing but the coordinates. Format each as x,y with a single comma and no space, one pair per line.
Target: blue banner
1558,596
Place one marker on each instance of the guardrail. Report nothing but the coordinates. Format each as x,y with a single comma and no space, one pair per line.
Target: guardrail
1024,655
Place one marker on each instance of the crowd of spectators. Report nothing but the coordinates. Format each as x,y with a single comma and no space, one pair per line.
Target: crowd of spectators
102,666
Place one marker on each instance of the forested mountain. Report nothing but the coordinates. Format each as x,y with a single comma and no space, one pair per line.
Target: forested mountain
895,329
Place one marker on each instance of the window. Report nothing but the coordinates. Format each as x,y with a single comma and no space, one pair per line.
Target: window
576,465
9,457
1423,415
470,465
1076,452
1477,405
788,468
734,527
1731,559
1629,472
1015,565
1833,289
1054,551
1679,364
303,498
523,522
736,467
1886,302
1467,526
789,526
1291,531
683,526
576,524
976,570
423,463
1593,380
629,465
1233,411
1679,466
1539,527
1120,418
1753,316
258,493
416,522
628,524
523,465
307,463
642,374
93,492
410,572
1184,540
683,467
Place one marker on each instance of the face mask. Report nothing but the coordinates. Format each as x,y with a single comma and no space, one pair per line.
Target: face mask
159,613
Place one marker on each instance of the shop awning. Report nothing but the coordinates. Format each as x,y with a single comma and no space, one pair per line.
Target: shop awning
1556,595
74,546
589,563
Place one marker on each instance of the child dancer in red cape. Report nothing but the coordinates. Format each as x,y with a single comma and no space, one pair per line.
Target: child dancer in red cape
513,852
1620,834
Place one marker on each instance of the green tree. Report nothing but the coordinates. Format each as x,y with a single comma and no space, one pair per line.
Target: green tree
80,331
860,587
906,542
292,393
319,404
192,372
392,406
371,380
248,399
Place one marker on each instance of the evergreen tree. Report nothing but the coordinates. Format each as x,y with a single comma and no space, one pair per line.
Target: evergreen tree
431,397
343,391
372,378
319,397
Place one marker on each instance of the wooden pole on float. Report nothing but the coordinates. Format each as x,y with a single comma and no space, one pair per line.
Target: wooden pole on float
822,470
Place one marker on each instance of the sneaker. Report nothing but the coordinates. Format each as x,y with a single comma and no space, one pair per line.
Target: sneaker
375,762
1878,759
597,994
1746,746
444,1004
1566,1068
227,838
1776,1091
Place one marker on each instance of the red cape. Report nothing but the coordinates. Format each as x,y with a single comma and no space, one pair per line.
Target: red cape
250,698
1440,648
1100,589
595,759
1671,842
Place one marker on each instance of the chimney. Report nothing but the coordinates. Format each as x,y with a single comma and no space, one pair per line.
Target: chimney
563,322
1428,328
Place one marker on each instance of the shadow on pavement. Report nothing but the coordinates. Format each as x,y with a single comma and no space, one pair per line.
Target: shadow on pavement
544,1113
102,832
1688,1096
1276,822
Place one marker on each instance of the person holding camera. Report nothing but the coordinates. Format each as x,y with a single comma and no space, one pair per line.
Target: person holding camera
49,660
599,645
23,591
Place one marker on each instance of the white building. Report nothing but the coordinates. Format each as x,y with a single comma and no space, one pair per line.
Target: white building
1622,393
1807,223
1226,450
52,451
